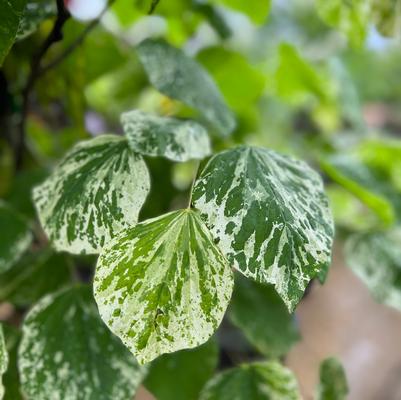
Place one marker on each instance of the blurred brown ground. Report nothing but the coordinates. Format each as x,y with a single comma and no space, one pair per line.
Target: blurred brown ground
340,318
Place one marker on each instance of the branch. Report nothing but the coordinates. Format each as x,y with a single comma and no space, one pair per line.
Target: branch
54,36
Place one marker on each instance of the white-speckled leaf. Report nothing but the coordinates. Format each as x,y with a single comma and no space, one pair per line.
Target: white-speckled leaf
3,360
163,285
15,237
96,191
256,381
270,216
376,259
67,353
180,77
172,138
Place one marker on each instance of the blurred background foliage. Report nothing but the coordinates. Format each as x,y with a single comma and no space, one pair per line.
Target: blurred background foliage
312,78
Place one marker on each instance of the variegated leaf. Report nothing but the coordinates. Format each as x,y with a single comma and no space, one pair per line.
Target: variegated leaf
163,285
15,237
180,77
270,217
97,190
167,137
67,353
376,259
3,360
256,381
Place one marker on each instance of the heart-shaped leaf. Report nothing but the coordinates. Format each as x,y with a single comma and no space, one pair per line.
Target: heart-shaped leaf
163,285
97,190
270,216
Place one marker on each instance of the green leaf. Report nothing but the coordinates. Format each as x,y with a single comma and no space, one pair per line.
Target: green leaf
15,237
66,352
256,10
166,137
256,381
163,285
387,16
11,13
270,217
11,377
34,276
376,259
351,17
180,77
364,183
333,382
97,190
35,13
263,318
3,360
225,66
193,367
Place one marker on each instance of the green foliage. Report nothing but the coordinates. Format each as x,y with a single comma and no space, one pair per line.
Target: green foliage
333,382
10,16
58,358
263,318
257,381
167,137
193,367
14,239
387,15
163,285
376,259
257,10
240,188
164,63
115,182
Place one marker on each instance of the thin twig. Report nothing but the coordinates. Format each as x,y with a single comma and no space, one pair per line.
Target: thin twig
76,43
54,36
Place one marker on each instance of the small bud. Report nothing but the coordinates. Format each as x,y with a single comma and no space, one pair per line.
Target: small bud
85,10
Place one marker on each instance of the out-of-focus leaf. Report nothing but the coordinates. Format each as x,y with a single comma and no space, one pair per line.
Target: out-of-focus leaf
193,367
226,66
176,140
376,259
11,13
97,190
351,17
366,184
15,237
270,217
256,381
6,167
182,282
67,352
176,75
257,10
3,360
387,16
34,14
20,193
333,381
34,276
263,318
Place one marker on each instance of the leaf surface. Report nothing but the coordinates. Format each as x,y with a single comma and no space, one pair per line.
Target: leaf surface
261,315
333,382
3,360
182,78
15,237
256,381
269,215
166,137
97,190
163,285
66,352
192,367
